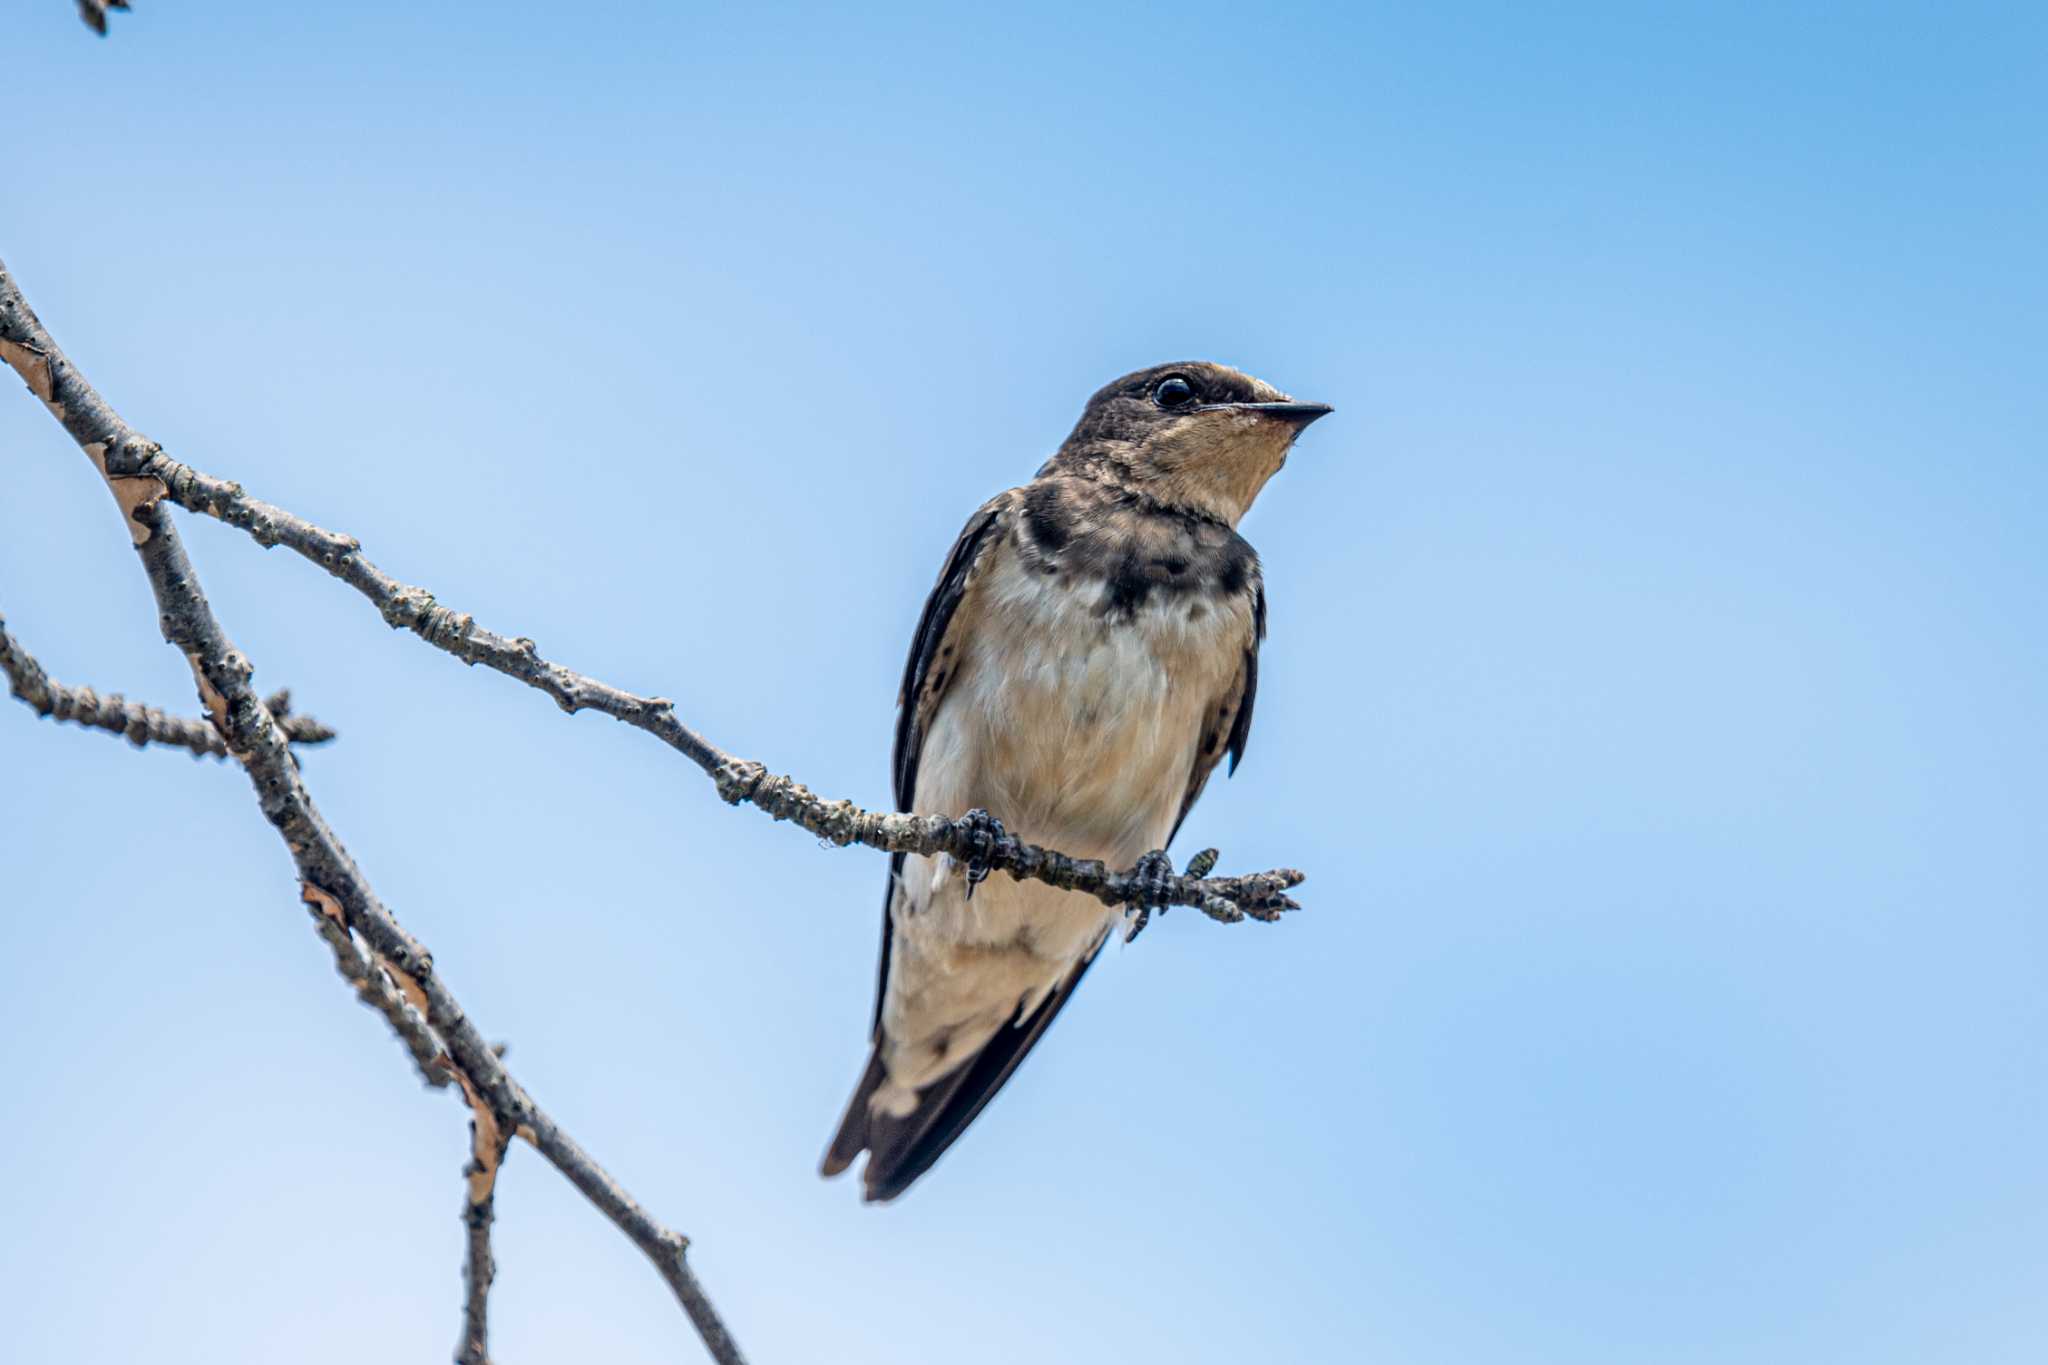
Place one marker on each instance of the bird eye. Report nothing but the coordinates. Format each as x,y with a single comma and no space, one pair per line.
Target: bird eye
1173,392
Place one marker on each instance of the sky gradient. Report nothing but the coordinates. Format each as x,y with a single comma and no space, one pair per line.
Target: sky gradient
1654,691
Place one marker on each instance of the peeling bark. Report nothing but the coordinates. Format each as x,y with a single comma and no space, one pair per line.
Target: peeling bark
330,877
141,725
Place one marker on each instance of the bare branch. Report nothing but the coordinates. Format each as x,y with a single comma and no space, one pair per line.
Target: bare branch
479,1268
117,715
377,987
1257,896
328,873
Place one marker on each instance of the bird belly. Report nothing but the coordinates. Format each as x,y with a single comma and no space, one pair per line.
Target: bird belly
1078,731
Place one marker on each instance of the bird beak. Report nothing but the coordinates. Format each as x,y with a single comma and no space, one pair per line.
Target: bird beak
1297,415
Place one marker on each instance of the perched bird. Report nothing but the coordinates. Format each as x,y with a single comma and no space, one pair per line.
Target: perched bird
1090,653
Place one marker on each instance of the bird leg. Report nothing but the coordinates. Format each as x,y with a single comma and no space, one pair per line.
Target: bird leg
986,832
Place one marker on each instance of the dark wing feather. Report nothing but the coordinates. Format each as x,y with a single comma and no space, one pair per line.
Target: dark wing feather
1229,727
926,673
921,686
922,689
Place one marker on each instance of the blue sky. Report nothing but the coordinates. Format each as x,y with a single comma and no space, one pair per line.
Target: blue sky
1654,689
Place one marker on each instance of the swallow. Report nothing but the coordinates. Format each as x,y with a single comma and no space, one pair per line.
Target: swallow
1089,655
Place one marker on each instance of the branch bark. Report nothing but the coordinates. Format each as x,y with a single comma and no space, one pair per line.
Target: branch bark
142,725
479,1268
331,882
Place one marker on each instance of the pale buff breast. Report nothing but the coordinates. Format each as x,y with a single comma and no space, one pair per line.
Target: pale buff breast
1075,726
1077,729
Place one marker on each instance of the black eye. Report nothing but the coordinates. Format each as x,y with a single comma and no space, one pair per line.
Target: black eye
1173,392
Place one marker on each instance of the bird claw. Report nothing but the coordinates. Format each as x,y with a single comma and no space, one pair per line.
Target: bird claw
985,832
1151,873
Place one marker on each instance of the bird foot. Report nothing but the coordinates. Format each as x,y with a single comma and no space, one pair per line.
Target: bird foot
1152,872
985,832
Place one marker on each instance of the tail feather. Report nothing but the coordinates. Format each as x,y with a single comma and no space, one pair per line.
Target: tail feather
852,1138
902,1149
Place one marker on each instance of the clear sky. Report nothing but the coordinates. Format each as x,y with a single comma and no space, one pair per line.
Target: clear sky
1654,693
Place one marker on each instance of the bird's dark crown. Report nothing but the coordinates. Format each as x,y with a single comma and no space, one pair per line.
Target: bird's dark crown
1193,436
1127,409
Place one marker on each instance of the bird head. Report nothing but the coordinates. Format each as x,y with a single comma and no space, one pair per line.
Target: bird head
1195,435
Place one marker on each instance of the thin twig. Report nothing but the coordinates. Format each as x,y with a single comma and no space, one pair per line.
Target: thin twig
478,1270
328,874
479,1267
403,606
142,725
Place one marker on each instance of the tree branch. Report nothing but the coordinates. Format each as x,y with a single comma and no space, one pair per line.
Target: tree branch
478,1270
117,715
331,882
377,987
478,1266
389,969
403,606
